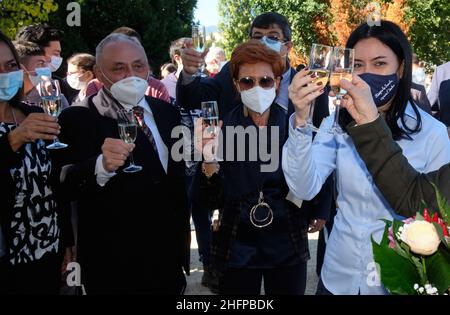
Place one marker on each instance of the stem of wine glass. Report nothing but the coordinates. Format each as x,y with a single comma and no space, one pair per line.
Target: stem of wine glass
131,159
336,111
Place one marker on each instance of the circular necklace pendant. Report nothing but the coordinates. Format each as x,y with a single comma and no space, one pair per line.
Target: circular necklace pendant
261,223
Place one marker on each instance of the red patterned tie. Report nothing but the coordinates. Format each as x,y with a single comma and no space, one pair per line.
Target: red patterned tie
139,114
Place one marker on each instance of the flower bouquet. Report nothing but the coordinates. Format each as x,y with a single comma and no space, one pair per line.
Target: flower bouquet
414,255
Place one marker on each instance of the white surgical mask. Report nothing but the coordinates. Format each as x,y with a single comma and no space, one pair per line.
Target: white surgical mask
40,72
10,83
75,83
55,63
258,99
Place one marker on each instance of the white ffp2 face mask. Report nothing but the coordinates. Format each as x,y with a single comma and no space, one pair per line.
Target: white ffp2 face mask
129,91
258,99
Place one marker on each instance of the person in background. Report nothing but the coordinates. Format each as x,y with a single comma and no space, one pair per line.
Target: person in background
80,71
30,260
34,63
418,73
167,69
439,94
382,59
155,88
215,59
171,80
49,39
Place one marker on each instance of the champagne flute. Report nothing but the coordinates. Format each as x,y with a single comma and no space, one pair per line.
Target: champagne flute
341,68
128,132
199,41
319,64
50,92
210,115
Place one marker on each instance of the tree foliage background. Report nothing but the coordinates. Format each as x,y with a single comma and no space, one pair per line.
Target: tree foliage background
158,21
426,22
15,14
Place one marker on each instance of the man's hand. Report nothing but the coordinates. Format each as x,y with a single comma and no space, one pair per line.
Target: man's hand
316,225
115,154
36,126
192,59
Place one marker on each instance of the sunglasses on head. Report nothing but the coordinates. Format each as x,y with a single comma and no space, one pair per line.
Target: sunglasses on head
247,83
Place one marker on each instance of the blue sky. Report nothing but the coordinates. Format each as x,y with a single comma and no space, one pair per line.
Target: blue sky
207,12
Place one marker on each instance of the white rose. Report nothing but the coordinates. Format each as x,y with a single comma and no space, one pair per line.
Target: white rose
421,237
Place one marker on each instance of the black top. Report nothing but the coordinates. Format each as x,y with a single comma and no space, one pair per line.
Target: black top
254,247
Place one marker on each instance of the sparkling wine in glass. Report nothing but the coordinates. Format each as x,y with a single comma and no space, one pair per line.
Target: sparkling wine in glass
50,92
210,116
199,42
341,68
128,132
319,64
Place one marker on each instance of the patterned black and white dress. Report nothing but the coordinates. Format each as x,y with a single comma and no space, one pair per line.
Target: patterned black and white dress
34,230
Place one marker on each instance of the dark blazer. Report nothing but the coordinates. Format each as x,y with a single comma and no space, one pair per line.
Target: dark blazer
221,89
400,183
419,96
444,102
134,232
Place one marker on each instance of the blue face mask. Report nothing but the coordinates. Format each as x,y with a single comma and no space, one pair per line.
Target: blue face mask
272,44
10,83
40,72
383,87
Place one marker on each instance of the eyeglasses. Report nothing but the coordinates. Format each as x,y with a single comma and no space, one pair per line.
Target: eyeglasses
248,83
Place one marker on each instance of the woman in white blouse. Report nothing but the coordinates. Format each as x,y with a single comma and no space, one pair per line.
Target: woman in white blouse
383,58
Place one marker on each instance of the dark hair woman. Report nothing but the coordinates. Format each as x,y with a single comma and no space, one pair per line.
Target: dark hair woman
29,231
383,65
261,235
388,34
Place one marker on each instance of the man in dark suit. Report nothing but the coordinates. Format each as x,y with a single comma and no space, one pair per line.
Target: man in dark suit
274,30
134,231
419,96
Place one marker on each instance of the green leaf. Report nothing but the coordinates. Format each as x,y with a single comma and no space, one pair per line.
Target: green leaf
438,269
390,264
444,207
385,239
441,234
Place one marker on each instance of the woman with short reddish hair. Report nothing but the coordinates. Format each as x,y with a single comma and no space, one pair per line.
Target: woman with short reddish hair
261,235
